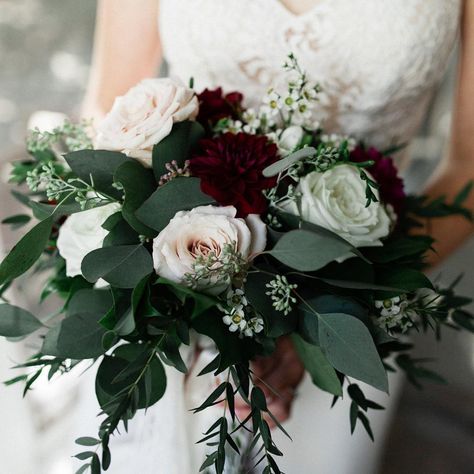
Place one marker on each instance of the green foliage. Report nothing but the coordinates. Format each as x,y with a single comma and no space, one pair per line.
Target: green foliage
138,185
131,366
80,335
91,301
177,146
322,373
406,279
400,248
348,346
201,302
17,221
232,349
26,252
120,232
415,372
222,435
122,266
423,207
308,325
97,167
307,251
177,195
17,322
285,163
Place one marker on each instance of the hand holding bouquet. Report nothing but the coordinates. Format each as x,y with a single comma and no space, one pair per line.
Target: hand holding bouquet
190,214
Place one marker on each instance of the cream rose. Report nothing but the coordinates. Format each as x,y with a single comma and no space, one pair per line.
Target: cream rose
203,231
144,116
336,201
81,234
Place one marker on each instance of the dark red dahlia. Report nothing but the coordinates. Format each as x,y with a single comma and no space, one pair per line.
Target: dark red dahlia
214,106
230,168
385,173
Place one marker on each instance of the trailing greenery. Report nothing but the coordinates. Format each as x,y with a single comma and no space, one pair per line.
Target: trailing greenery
344,308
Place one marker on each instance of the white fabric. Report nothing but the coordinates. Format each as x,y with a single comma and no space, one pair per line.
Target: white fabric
379,62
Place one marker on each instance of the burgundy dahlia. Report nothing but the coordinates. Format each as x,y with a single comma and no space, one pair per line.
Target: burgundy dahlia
385,173
214,106
230,168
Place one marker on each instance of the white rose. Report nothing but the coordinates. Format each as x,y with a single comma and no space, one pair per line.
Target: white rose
81,234
144,116
290,139
336,200
200,232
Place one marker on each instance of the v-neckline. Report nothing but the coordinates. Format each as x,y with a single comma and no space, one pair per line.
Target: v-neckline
284,8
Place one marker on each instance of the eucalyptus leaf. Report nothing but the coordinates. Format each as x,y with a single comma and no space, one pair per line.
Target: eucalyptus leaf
111,366
122,266
178,194
285,163
17,322
348,345
99,166
78,336
308,326
89,300
357,285
138,185
120,234
322,373
307,251
400,248
126,324
340,304
26,252
176,146
407,279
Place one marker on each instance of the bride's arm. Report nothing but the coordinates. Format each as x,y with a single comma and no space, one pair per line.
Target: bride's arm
126,50
458,166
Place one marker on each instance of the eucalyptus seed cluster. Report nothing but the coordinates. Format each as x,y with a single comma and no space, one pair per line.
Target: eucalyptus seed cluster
45,179
214,270
74,136
275,198
280,291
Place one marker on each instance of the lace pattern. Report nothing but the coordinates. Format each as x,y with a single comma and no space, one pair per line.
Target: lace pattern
378,61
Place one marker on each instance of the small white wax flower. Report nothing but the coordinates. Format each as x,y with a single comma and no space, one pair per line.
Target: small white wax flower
235,320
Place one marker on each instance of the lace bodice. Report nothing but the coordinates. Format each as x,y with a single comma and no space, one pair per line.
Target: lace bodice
378,61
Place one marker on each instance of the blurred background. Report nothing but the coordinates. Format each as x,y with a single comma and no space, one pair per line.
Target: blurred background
45,49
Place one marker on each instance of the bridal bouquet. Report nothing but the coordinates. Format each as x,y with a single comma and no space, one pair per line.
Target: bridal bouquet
184,215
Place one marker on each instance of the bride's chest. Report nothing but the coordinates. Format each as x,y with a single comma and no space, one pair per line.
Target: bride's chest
355,41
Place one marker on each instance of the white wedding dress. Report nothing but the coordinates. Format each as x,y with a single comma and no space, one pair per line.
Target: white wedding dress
379,62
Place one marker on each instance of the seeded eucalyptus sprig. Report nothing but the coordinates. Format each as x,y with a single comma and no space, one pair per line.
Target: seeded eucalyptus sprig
46,179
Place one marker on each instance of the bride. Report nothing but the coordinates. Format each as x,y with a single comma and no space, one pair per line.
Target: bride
378,62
